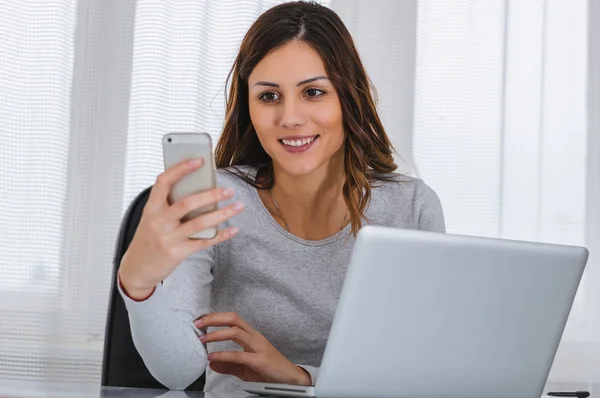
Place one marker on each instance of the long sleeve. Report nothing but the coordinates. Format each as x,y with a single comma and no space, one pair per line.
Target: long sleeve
162,325
313,371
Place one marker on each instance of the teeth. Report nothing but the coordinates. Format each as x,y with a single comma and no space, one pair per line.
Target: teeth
297,143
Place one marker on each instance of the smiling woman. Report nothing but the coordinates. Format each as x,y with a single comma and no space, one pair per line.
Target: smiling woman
296,115
310,163
292,143
298,87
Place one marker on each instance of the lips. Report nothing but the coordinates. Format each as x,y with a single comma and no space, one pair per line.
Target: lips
298,143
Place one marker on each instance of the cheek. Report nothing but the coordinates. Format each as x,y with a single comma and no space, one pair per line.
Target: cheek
262,120
329,118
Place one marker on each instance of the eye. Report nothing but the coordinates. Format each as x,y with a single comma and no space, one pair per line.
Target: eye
314,93
268,97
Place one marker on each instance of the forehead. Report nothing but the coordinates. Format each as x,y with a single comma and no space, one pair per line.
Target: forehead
289,64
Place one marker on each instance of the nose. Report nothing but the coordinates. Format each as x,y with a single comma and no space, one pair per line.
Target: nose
292,116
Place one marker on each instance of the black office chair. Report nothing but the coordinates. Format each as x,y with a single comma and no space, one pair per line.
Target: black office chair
123,365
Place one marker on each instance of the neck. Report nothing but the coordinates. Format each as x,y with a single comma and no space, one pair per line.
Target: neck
312,190
312,205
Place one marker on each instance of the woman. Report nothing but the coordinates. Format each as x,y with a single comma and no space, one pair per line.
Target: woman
308,161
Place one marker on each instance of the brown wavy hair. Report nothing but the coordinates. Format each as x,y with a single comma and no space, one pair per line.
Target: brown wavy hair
368,155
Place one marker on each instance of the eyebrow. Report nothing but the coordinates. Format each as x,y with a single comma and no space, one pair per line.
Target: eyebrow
312,79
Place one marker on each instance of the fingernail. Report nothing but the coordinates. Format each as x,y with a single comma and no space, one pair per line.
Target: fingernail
198,322
238,206
228,192
233,231
203,338
196,161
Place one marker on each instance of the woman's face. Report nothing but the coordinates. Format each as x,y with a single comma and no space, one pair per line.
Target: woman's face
295,110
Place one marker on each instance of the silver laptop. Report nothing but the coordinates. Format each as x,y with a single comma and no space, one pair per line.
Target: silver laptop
423,314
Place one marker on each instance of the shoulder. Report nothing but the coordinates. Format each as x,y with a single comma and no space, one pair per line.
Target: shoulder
406,193
393,185
239,178
235,177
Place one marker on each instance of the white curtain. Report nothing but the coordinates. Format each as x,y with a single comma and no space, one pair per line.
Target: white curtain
487,100
501,133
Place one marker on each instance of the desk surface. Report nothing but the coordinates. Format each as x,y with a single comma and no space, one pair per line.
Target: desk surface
111,392
114,392
10,389
23,390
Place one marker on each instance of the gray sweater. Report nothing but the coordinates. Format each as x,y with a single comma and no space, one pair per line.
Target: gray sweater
284,286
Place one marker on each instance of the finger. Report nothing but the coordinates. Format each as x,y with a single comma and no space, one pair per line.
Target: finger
232,369
235,334
181,208
164,182
238,357
209,220
224,319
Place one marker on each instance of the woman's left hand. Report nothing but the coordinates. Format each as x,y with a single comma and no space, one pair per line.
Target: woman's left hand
260,360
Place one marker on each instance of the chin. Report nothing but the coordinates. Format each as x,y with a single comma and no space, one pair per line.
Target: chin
321,155
298,168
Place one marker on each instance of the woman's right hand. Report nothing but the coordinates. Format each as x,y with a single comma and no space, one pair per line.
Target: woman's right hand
161,241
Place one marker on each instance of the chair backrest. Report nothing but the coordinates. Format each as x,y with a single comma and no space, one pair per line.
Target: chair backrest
122,364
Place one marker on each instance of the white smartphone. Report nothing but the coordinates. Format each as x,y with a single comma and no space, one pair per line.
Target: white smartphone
178,147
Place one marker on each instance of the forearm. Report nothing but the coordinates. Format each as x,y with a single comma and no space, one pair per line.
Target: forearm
169,346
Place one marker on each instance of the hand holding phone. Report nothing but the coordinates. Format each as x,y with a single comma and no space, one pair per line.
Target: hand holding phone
178,147
169,223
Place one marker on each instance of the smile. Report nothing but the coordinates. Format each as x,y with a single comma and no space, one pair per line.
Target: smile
298,144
